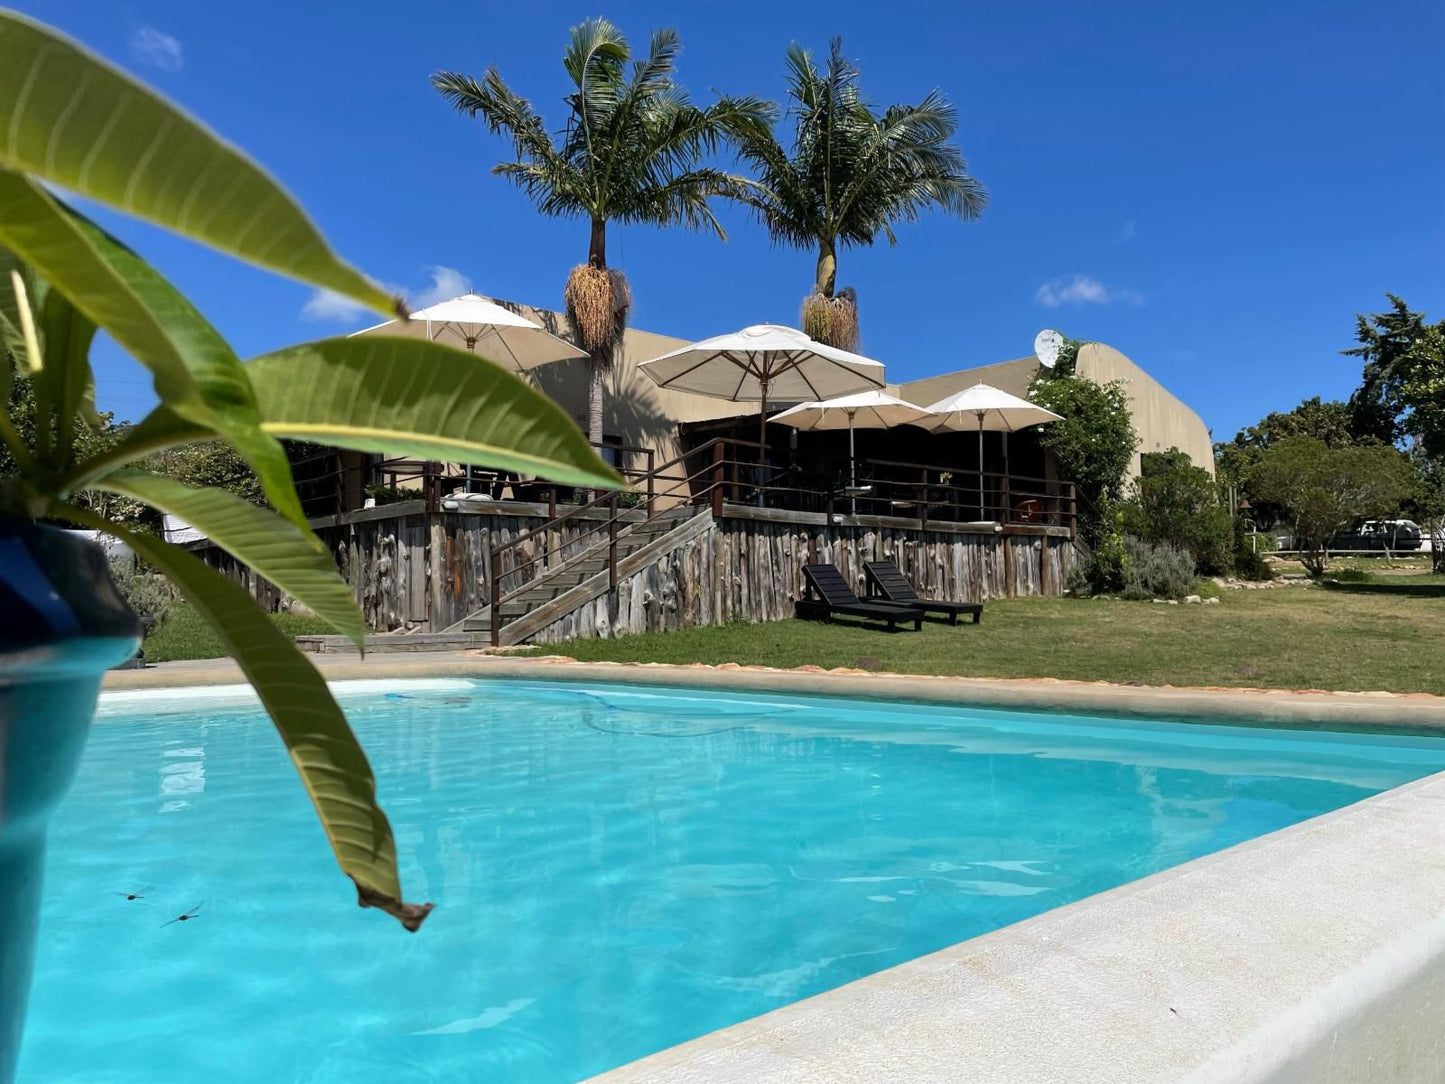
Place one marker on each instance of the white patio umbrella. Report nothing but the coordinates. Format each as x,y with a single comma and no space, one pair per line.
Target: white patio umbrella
863,410
986,407
484,327
762,361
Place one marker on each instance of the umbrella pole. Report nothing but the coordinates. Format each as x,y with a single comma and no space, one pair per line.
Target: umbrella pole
982,514
852,468
852,461
762,438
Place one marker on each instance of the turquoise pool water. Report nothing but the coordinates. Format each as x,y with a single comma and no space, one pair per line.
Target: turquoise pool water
616,868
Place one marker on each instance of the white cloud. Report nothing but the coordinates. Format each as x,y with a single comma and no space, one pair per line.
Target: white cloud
330,307
446,283
1083,290
1126,233
157,48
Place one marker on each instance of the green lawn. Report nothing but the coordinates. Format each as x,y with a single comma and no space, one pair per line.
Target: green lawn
185,636
1384,633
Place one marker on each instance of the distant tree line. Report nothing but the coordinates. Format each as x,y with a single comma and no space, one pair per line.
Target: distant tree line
1316,469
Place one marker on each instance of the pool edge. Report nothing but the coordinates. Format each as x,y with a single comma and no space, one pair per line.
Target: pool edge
1398,711
1277,960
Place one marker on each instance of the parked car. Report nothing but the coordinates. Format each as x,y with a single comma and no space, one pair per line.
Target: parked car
1379,534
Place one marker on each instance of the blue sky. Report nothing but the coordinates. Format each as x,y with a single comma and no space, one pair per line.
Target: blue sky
1215,189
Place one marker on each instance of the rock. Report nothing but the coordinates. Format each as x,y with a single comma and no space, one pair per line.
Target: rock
1156,600
1174,602
1192,598
300,609
1211,602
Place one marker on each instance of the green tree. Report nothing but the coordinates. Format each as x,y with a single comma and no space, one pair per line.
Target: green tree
212,463
1093,444
1388,342
630,152
1323,490
1331,422
849,175
1176,503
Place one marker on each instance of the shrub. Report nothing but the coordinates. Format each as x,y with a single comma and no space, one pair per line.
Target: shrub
1175,502
1102,571
1156,570
149,594
1249,564
1093,444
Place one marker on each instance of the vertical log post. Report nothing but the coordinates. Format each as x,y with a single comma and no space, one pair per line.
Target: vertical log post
717,479
923,498
1073,512
612,541
651,483
552,534
496,562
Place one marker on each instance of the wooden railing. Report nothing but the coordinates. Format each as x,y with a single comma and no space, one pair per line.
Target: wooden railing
324,479
726,471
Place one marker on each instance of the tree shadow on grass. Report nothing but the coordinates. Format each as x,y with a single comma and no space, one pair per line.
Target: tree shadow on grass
1388,590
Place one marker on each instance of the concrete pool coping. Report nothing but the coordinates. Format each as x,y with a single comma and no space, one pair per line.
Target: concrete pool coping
1277,960
1313,954
1274,707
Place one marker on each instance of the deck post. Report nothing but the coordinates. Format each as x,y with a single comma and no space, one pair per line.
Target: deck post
496,562
651,483
717,479
612,542
923,499
1005,514
1073,512
432,486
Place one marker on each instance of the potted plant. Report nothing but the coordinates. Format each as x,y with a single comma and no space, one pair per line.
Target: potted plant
71,121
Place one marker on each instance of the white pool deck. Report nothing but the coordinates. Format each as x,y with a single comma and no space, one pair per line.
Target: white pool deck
1313,955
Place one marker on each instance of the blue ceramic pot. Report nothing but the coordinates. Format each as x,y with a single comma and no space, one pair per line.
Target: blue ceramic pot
62,625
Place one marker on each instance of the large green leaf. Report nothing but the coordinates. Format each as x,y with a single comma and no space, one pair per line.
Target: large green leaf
197,373
411,397
70,117
270,545
328,757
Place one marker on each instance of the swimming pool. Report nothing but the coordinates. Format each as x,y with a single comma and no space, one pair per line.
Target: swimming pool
616,868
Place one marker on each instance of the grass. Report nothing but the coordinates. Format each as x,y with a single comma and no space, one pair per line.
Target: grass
1378,633
186,636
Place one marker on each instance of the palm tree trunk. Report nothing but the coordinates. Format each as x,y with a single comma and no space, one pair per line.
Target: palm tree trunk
596,374
600,359
827,273
597,246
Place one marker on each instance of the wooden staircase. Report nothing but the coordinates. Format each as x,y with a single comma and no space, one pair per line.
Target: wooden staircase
559,589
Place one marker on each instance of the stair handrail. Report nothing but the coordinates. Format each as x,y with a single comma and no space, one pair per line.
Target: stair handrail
609,498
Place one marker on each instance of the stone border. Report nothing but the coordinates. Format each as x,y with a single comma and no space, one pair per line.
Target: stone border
1401,712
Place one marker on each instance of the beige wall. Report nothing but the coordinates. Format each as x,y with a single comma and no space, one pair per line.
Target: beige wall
1162,421
646,416
636,410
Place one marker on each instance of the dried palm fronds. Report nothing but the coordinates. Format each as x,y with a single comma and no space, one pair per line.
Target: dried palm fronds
832,320
597,301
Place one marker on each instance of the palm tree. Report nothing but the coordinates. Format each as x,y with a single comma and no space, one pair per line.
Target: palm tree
850,175
630,153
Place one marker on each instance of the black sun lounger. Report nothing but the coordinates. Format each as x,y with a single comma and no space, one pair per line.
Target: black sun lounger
894,586
829,594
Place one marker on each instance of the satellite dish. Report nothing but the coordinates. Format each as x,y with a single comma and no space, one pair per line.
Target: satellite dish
1047,344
